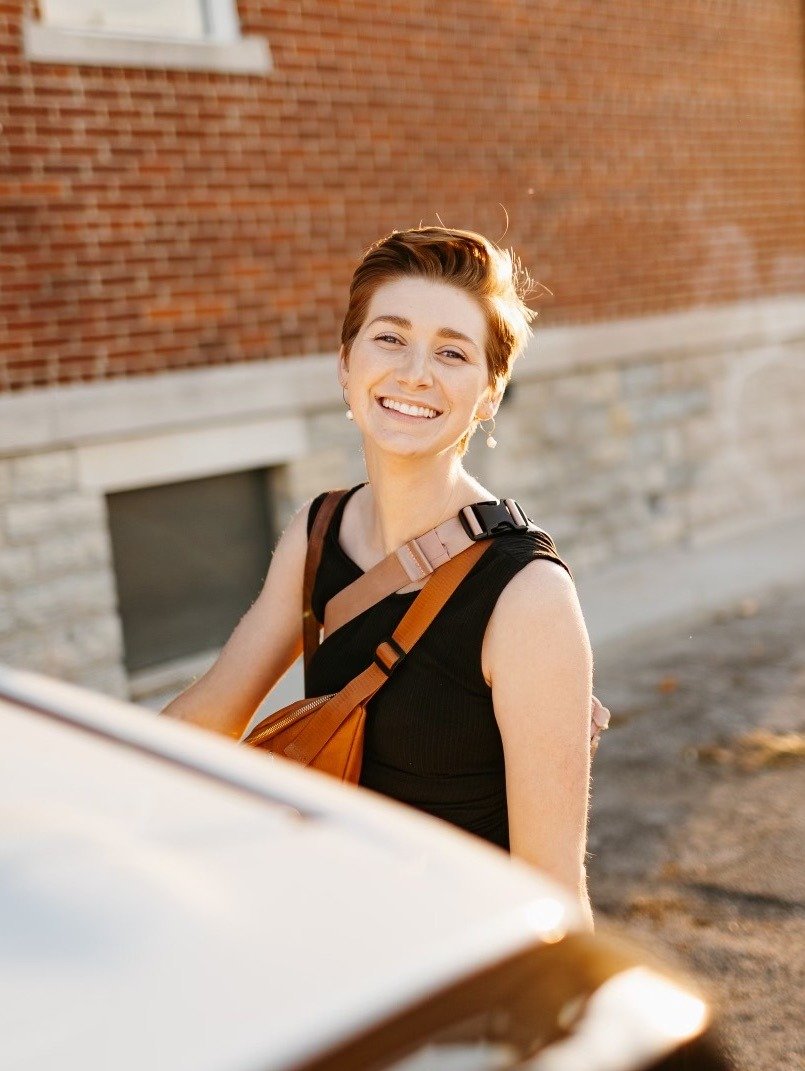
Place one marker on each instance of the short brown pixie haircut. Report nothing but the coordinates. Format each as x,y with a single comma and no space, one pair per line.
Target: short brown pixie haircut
493,276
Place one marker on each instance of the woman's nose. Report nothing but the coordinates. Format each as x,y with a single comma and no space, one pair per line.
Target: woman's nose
415,369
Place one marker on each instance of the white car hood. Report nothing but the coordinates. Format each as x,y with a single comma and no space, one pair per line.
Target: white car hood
154,916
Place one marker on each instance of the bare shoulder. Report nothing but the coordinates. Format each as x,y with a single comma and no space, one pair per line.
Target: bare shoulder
538,587
538,610
540,599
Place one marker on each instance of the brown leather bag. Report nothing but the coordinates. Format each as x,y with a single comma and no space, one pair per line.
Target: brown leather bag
326,732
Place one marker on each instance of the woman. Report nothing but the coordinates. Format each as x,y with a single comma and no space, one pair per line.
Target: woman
486,724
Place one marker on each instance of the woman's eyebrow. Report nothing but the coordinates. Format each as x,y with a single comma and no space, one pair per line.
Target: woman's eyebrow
443,332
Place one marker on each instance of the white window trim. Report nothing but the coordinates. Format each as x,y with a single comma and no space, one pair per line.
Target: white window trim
190,454
223,50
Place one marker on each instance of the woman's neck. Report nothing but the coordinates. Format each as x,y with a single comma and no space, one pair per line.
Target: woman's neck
406,498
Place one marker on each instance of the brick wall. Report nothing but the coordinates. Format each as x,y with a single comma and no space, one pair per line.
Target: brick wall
650,159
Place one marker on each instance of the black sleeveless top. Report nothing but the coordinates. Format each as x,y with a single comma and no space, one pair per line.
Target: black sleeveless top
431,737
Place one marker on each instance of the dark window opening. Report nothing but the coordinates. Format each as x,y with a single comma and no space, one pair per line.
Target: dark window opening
189,559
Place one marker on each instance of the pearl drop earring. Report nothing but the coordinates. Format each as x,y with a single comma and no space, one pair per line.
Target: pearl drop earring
491,441
348,413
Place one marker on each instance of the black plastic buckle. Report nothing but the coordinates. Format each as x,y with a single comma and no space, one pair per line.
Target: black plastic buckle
493,517
396,649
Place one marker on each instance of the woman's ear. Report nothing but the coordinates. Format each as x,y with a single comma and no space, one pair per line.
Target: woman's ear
343,369
490,407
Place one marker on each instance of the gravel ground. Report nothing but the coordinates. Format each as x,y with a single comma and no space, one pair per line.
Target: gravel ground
698,813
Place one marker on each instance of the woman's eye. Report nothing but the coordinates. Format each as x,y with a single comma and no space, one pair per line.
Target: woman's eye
452,354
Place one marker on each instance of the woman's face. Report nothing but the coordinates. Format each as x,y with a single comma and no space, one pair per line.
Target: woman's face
416,376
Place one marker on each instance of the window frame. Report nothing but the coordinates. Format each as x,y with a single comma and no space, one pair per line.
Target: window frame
223,48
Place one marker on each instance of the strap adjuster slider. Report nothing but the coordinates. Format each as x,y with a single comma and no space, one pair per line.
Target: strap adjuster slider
388,655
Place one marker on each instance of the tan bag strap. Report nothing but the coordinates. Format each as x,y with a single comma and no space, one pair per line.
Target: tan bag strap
419,557
311,628
389,653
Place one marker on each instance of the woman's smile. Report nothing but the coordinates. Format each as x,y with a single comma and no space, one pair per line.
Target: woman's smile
409,412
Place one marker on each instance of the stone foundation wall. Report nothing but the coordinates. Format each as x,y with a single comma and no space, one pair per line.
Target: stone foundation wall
58,611
626,458
620,440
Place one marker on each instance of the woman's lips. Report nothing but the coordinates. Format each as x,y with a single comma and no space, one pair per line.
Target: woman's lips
408,417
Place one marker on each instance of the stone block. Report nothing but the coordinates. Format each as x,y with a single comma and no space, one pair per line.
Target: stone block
645,479
502,475
607,454
533,397
88,651
674,445
640,380
62,657
557,426
632,541
541,477
630,507
561,527
679,475
706,506
34,475
667,530
589,425
319,471
110,680
684,372
27,521
332,430
648,444
620,420
17,566
584,497
63,598
673,406
78,551
602,386
83,642
7,619
587,557
23,649
594,388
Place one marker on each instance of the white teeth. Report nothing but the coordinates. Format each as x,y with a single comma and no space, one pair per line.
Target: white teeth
410,410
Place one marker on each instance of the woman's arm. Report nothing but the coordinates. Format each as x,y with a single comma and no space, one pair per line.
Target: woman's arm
266,641
540,665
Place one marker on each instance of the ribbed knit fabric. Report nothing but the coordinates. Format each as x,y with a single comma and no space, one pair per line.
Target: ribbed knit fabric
431,739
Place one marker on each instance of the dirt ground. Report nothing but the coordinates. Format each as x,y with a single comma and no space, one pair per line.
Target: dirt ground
698,813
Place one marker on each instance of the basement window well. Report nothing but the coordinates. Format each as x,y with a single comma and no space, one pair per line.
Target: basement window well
189,560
